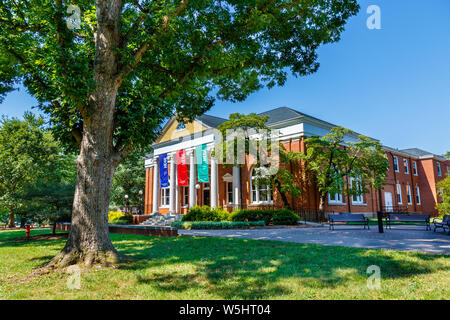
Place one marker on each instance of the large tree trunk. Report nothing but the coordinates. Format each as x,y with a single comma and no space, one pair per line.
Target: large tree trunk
89,240
11,223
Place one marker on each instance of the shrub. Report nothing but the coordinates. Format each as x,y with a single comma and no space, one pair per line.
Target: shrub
205,213
114,216
120,221
286,217
253,215
275,217
203,225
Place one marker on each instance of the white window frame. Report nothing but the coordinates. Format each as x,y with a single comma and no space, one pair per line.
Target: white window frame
408,194
439,169
415,168
396,166
337,198
406,164
356,199
185,196
399,194
165,197
229,193
178,129
256,189
418,195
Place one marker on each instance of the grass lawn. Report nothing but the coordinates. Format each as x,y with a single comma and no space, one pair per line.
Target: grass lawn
223,268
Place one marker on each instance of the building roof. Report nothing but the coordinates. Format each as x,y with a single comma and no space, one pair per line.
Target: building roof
419,153
211,121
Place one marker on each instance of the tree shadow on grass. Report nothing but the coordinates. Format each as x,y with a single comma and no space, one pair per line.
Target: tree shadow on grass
249,269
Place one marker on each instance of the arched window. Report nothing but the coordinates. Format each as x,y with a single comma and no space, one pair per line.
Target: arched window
261,192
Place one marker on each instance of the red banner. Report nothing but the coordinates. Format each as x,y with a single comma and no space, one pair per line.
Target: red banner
182,168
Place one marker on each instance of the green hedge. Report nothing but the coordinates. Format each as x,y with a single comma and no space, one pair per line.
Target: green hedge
216,225
275,217
205,213
120,221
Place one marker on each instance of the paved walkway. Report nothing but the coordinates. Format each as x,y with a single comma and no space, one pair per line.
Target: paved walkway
406,238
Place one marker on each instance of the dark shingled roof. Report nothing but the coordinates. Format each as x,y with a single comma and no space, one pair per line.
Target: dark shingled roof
281,114
211,121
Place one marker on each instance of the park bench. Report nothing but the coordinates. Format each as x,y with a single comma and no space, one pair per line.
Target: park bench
445,224
347,217
405,217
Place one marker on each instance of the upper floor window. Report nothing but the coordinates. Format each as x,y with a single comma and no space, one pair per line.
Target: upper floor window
415,168
395,164
406,163
181,126
439,169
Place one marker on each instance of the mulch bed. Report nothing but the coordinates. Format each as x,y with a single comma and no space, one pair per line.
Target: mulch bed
42,237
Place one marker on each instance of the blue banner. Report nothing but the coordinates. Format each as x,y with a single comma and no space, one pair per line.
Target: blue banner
163,171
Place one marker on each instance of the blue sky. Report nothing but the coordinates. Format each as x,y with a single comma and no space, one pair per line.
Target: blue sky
391,84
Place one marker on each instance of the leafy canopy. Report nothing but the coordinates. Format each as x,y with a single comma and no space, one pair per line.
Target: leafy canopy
443,188
170,56
335,160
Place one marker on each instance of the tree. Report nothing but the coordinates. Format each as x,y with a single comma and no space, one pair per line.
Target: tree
26,149
443,188
283,180
111,82
335,161
50,198
129,179
447,155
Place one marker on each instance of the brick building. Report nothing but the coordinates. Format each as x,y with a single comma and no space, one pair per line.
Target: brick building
411,180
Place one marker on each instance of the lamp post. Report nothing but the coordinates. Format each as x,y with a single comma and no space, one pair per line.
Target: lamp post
140,201
127,203
197,187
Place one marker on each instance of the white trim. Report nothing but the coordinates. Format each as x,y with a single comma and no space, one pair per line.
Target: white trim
408,194
418,195
415,170
406,165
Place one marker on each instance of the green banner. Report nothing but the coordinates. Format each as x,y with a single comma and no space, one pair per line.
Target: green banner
202,163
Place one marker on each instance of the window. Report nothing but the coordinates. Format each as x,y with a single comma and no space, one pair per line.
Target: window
165,197
417,194
229,192
415,168
335,198
399,194
395,164
439,169
357,196
181,126
408,194
406,163
261,192
185,196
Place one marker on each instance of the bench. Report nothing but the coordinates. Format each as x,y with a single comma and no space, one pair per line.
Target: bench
347,217
404,217
445,224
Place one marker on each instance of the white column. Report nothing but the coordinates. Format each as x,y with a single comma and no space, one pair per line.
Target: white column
173,184
214,181
237,186
156,186
192,180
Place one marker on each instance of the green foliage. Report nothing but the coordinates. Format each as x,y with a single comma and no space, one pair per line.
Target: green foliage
117,217
443,189
205,213
169,56
32,166
270,217
285,217
216,225
334,160
447,155
129,179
